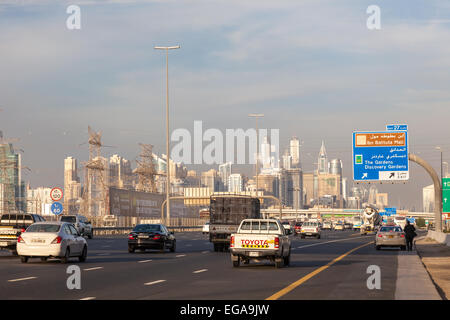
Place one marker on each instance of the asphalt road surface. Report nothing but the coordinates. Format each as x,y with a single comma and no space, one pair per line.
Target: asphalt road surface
333,267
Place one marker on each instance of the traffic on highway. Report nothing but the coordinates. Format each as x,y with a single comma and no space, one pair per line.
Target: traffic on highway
224,159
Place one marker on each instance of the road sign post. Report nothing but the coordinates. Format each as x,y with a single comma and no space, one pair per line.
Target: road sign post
56,194
446,195
57,208
380,156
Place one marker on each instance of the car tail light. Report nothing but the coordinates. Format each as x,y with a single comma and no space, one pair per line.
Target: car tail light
57,240
22,230
402,235
277,242
380,236
130,237
156,237
20,239
232,242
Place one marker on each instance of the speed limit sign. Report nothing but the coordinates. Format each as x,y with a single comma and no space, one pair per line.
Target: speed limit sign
56,194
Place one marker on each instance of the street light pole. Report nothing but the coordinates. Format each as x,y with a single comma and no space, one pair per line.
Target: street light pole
256,116
167,132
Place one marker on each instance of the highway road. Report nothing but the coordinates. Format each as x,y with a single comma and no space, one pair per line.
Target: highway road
195,271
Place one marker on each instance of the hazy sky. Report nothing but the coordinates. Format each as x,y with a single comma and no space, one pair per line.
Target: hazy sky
312,67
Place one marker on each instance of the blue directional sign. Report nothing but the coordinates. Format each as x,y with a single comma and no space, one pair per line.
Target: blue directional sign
391,211
397,127
380,156
57,208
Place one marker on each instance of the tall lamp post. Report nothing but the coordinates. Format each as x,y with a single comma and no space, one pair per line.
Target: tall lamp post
442,181
167,131
256,116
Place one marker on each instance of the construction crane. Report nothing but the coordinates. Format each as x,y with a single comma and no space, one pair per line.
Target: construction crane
146,169
95,192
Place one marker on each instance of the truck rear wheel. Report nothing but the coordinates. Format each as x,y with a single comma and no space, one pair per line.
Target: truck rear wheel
237,262
278,263
287,260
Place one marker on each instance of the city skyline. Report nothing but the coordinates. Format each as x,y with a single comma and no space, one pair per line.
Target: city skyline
321,86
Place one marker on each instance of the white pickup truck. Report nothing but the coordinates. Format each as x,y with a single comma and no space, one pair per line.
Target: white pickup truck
261,239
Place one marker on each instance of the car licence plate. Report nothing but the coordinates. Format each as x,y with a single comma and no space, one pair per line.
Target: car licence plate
390,237
254,254
143,237
37,240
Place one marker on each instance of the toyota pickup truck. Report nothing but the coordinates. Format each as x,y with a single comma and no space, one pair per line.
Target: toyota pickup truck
311,229
258,239
12,225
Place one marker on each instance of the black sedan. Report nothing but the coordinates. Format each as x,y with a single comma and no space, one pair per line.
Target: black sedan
151,236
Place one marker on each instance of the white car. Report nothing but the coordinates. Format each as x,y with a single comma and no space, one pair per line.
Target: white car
51,240
205,229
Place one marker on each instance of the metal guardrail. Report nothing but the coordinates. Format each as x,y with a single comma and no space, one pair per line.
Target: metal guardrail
125,230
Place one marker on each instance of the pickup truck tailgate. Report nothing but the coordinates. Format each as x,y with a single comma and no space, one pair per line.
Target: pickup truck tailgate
254,241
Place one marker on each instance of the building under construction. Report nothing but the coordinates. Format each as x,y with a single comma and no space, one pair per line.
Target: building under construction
12,188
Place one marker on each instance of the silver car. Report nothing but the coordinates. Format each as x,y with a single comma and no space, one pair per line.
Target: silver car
81,223
390,236
51,240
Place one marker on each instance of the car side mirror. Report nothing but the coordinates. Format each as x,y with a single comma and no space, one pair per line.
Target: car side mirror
288,232
172,232
88,222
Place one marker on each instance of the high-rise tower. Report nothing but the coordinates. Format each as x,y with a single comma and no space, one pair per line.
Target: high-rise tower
322,160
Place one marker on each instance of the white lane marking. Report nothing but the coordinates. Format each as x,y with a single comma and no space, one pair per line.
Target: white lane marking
143,261
180,255
106,246
94,268
205,251
22,279
103,254
88,298
318,244
201,270
153,282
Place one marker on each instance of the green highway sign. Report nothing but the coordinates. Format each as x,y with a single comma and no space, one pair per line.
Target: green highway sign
445,195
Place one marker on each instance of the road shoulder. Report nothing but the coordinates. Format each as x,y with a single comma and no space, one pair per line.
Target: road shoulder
436,259
413,281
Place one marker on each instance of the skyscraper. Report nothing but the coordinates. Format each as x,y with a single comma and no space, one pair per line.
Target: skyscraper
224,173
265,153
120,173
322,161
235,183
12,188
72,186
287,160
294,152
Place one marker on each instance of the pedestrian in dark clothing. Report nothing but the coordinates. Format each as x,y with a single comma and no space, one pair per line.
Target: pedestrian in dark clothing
410,233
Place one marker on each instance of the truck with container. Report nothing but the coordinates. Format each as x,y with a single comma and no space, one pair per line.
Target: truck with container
371,220
261,239
226,213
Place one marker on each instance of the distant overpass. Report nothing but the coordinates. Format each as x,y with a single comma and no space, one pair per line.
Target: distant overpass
316,212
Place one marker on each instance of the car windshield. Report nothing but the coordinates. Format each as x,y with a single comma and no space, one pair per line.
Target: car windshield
147,228
70,219
391,229
43,228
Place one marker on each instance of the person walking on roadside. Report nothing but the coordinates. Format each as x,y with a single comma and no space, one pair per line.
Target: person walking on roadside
410,233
